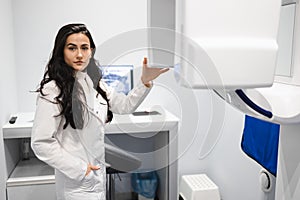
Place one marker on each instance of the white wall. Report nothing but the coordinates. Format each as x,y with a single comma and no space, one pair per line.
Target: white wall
37,22
8,89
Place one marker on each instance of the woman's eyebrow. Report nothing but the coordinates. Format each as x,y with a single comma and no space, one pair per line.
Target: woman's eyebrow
71,44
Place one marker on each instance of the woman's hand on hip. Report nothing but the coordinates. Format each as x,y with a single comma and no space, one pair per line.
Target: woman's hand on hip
90,168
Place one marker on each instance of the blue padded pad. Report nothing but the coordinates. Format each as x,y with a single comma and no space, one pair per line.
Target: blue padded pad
260,142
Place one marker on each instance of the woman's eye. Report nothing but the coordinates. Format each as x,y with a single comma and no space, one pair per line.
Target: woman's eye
72,48
85,48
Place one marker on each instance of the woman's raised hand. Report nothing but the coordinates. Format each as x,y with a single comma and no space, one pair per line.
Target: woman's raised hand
150,73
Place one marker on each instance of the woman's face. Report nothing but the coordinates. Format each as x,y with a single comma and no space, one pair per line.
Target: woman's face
77,51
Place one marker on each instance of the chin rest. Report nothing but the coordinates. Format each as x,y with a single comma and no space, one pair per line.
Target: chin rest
119,160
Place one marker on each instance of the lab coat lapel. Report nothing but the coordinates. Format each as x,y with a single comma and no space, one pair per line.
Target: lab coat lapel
91,99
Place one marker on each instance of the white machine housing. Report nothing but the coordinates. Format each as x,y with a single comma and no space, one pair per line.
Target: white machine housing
238,37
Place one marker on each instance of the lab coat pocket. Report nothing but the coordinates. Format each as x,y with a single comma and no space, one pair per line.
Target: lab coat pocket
89,182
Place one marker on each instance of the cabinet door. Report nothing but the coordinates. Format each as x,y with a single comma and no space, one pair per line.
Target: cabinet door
32,192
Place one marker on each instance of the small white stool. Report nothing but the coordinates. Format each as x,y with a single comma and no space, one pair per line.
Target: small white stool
198,187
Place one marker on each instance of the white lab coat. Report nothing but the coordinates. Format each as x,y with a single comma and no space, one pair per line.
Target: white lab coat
68,150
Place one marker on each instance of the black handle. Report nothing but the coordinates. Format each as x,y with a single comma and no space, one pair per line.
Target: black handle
252,105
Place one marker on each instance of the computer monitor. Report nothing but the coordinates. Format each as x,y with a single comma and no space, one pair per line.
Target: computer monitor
120,77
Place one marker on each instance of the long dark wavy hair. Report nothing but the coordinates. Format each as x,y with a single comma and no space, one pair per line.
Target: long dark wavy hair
64,76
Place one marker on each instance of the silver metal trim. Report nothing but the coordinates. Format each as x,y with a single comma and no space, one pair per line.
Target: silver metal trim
34,180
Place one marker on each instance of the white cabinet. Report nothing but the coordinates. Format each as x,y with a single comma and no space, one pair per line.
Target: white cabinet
31,179
153,139
28,179
32,192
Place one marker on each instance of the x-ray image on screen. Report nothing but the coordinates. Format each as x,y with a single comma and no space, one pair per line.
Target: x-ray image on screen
119,77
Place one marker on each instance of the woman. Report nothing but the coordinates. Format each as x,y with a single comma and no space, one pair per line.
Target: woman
73,106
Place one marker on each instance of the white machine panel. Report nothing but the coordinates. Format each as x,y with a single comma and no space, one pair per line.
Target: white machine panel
229,44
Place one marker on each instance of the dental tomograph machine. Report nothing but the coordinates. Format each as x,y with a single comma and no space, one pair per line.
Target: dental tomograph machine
248,52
